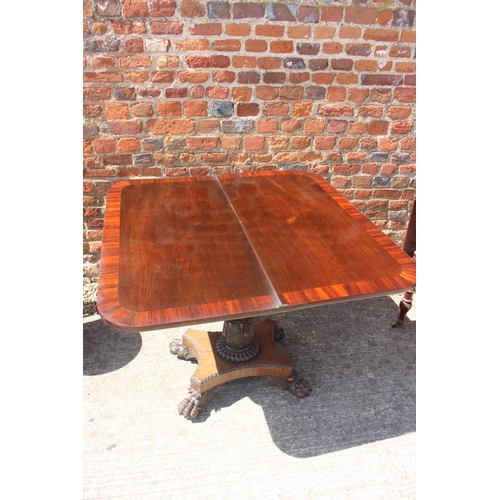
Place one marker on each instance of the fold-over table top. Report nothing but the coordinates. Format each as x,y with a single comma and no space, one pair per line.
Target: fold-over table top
181,251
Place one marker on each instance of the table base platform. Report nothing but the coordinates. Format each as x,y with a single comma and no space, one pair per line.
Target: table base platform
214,371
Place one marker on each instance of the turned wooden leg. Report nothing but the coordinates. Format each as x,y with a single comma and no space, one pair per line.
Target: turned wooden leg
404,307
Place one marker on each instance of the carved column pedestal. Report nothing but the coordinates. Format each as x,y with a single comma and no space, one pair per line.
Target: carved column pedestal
245,349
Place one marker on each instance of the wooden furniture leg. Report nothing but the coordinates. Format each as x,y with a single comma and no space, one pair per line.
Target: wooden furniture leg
243,349
404,307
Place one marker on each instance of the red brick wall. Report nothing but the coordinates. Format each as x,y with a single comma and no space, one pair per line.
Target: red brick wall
188,88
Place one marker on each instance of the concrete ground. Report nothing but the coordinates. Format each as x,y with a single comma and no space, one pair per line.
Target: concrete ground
352,438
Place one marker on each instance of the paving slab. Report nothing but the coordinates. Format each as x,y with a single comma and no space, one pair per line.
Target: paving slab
353,437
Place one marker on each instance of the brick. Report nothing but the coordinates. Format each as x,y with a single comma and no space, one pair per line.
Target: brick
111,8
281,47
405,67
121,127
127,28
164,158
171,126
341,64
246,77
371,111
227,45
324,32
408,36
302,108
291,93
408,143
230,142
97,94
358,49
358,128
388,143
104,145
274,77
90,130
315,93
381,35
357,95
268,125
266,93
345,168
282,12
169,108
196,44
277,142
381,79
218,10
92,110
248,10
104,77
142,109
154,144
401,127
318,64
244,61
378,127
290,126
347,78
195,61
202,143
314,125
350,32
191,8
167,27
335,110
324,143
308,14
323,78
223,76
332,14
336,94
365,65
254,143
399,112
107,44
143,159
116,111
195,108
381,95
299,31
163,8
402,18
240,158
103,62
247,109
133,44
176,92
285,157
162,76
332,48
192,76
299,77
405,95
276,109
309,49
293,63
128,144
336,126
400,51
241,93
168,62
134,62
360,15
237,126
136,76
239,29
135,8
217,92
222,108
255,45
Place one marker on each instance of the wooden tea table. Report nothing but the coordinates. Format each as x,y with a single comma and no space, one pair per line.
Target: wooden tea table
240,247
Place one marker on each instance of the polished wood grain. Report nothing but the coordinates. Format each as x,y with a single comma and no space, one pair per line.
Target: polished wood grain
188,250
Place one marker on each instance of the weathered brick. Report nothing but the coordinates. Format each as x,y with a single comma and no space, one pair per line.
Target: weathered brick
246,77
116,111
163,8
270,30
255,45
302,108
171,126
106,44
222,108
237,126
318,64
331,14
324,143
281,46
274,77
299,31
104,145
324,32
371,111
227,45
202,143
110,8
282,12
247,109
142,109
291,93
401,127
104,77
134,62
152,144
405,95
290,126
300,142
299,77
403,18
294,63
244,61
358,49
207,61
341,64
382,35
169,108
133,44
335,110
240,29
254,142
248,10
167,27
310,49
381,79
218,10
378,127
360,15
118,159
191,8
224,76
314,125
125,93
308,14
267,125
197,44
192,76
241,93
217,92
135,8
336,126
315,93
266,93
122,127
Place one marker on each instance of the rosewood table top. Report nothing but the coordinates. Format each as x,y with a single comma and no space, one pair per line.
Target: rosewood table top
182,251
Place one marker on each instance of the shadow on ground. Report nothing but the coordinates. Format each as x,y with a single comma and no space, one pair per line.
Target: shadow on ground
362,372
106,349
